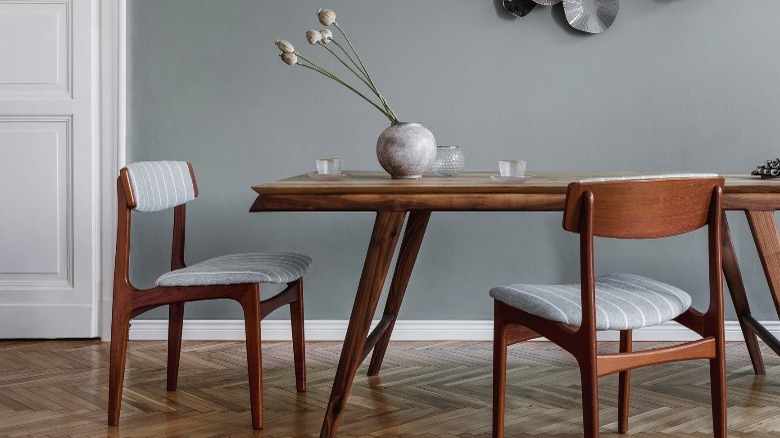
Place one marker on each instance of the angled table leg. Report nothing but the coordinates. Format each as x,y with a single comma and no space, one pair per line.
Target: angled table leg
407,256
739,298
764,229
384,239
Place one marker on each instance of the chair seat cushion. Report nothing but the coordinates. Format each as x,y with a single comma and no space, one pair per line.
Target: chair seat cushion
623,301
280,267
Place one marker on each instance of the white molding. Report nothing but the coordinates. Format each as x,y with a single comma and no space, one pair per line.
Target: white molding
113,113
405,330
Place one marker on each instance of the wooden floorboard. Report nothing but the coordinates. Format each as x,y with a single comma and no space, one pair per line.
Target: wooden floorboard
426,389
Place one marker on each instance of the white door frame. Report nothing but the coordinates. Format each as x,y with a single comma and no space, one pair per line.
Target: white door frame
113,129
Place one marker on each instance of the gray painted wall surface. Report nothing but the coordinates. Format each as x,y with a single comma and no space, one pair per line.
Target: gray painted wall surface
673,85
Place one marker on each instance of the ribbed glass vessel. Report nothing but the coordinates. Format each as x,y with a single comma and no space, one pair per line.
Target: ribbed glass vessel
450,161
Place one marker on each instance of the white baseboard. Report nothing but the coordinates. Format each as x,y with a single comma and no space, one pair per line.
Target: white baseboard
405,330
60,320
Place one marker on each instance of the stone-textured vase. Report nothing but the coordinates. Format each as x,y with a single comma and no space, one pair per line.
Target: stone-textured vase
405,150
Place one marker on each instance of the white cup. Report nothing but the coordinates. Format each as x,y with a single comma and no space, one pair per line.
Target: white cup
512,167
329,166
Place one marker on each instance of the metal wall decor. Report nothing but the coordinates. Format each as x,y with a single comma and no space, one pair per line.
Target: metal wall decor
592,16
518,8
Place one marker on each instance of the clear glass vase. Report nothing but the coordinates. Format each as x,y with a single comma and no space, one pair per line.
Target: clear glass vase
450,161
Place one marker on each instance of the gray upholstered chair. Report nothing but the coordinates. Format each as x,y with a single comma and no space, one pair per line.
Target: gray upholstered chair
160,185
569,315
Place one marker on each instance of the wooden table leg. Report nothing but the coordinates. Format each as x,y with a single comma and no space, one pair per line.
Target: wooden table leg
407,256
739,298
764,229
384,239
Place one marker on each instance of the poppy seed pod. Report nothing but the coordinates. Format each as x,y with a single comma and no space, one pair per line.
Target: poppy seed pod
313,37
326,16
285,46
289,58
326,35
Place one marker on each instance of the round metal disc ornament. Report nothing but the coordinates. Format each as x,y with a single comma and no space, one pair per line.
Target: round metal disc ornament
518,8
593,16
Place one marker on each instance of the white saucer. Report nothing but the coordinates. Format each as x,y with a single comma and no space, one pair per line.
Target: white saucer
326,177
510,179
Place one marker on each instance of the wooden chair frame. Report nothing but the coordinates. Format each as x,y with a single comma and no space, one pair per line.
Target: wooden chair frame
130,302
513,325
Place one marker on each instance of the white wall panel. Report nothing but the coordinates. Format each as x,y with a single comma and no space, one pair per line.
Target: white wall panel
35,224
35,41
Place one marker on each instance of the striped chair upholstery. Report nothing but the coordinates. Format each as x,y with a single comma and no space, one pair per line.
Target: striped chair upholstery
159,185
623,301
275,268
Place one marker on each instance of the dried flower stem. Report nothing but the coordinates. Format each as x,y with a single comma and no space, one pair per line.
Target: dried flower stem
368,76
330,75
359,76
364,75
348,55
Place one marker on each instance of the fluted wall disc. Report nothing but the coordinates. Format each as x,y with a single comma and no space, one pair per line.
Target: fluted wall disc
519,8
547,2
592,16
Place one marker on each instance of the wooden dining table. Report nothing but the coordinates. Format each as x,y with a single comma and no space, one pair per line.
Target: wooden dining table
412,201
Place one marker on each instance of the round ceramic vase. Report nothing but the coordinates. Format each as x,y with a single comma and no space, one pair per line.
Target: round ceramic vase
405,150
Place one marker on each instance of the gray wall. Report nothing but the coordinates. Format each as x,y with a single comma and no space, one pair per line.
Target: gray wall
674,85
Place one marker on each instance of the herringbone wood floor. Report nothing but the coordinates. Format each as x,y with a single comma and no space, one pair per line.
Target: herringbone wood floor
58,388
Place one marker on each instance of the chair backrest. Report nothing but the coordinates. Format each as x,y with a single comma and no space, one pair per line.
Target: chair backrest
147,186
643,207
158,185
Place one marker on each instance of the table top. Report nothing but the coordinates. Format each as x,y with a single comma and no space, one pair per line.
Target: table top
469,191
376,182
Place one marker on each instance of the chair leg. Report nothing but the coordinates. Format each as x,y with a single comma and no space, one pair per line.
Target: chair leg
624,384
590,399
175,324
120,326
251,305
718,388
299,342
499,372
